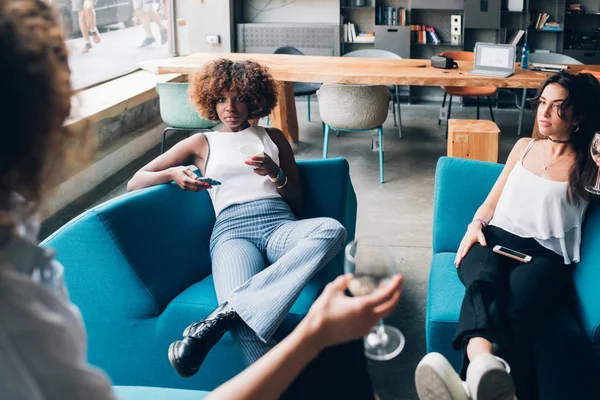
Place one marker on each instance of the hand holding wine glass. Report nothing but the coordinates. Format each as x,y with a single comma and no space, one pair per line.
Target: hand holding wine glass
595,152
372,267
337,318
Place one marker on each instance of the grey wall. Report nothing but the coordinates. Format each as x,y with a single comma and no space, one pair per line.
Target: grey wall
311,39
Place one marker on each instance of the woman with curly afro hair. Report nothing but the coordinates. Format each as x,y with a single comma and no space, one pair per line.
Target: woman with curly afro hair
254,199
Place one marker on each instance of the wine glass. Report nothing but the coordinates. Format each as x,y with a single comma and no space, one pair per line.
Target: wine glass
371,267
595,151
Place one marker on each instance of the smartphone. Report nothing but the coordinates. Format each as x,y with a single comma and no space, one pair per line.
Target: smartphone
517,255
211,182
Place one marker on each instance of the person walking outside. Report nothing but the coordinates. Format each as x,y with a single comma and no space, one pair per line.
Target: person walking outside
86,12
145,12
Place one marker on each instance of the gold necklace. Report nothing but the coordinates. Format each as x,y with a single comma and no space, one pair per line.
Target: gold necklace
560,159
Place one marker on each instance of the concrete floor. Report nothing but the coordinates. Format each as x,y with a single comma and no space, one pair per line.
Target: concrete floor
400,211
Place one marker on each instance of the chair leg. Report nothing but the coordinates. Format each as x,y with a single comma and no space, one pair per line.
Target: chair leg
162,143
380,132
326,141
490,106
308,108
189,133
443,105
394,110
399,113
448,116
477,107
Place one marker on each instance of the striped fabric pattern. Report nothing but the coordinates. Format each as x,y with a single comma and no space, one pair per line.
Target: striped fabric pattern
262,258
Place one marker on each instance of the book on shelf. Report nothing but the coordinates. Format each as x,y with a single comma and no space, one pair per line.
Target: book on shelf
552,26
541,20
391,15
431,33
574,8
349,32
350,35
365,37
516,37
423,34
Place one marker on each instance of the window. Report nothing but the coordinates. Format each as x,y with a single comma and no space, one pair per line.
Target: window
126,33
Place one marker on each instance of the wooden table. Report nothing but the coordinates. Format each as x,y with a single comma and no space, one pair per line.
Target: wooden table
291,68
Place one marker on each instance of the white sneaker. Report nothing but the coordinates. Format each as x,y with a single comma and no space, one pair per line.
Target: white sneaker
436,380
488,378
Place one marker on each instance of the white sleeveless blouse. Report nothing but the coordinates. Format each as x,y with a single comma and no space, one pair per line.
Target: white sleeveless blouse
535,207
239,183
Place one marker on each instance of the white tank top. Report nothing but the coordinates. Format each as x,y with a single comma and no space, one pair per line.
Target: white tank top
239,183
532,206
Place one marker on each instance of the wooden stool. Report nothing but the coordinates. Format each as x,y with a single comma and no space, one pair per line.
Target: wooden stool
475,139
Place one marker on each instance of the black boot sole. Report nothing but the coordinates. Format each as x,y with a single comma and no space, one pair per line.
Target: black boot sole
175,362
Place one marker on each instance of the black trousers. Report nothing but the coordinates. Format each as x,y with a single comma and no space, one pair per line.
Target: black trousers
506,301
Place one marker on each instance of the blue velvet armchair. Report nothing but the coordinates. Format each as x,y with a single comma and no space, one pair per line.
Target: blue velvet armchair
568,348
139,269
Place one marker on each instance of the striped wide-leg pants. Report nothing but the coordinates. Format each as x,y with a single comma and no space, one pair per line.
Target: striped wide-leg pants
262,258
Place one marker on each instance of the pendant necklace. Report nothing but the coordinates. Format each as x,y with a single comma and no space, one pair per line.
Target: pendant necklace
560,159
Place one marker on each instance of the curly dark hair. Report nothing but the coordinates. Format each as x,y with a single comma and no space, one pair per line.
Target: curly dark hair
244,78
36,88
583,97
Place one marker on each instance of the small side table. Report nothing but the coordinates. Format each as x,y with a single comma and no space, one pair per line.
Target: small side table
476,139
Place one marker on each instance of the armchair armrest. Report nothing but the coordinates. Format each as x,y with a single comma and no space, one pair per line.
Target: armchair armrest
461,186
328,192
136,248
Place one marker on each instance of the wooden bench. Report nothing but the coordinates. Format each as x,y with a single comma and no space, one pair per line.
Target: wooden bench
114,97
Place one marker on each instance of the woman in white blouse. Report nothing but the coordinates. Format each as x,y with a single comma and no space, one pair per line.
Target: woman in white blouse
536,207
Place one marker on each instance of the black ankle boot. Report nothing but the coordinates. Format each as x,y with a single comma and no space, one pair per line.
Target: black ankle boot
187,355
